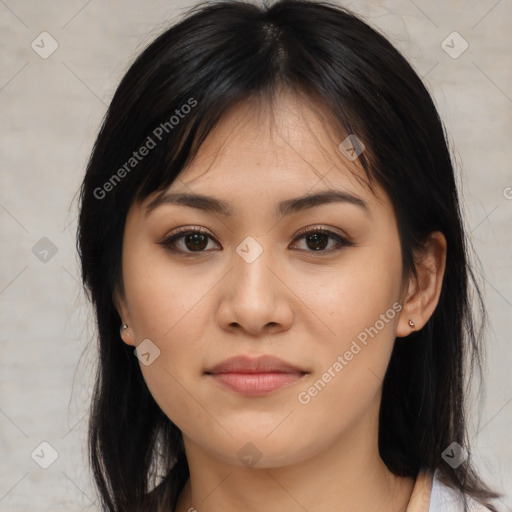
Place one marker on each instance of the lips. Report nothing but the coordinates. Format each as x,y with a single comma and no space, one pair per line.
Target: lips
262,364
255,376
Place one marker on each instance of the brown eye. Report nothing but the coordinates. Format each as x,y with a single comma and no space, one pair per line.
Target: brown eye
187,241
317,240
196,241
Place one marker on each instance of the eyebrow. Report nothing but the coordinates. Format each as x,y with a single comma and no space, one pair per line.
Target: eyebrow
287,207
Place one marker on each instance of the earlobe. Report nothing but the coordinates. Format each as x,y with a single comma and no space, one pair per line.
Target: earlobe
408,321
425,289
125,330
126,335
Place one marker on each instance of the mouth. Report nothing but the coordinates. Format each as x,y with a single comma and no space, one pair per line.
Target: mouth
255,376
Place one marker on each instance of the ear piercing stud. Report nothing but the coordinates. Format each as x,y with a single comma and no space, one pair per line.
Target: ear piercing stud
412,324
123,328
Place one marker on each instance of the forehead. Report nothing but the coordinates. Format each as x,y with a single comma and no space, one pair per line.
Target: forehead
293,138
291,147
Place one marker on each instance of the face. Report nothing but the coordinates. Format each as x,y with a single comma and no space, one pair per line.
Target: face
316,284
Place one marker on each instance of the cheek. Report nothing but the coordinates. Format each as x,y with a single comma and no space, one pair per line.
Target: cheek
356,295
168,307
352,362
359,304
163,299
168,311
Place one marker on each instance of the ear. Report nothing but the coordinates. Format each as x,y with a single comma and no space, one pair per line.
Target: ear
120,304
423,292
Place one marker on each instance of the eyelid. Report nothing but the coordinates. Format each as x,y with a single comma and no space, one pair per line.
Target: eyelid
320,228
181,232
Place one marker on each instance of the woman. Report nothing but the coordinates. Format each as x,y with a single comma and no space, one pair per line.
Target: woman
271,236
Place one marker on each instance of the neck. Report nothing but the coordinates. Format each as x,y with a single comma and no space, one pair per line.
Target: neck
347,476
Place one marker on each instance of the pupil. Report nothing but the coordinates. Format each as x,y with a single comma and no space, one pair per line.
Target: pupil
198,241
315,239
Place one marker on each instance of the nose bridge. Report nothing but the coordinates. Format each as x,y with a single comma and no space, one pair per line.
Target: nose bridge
252,262
254,294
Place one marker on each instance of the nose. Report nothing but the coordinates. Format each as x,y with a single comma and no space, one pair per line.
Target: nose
255,297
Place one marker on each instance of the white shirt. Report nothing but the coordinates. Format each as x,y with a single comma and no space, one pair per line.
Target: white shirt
431,495
445,499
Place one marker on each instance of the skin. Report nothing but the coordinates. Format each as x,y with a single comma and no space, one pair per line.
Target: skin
293,302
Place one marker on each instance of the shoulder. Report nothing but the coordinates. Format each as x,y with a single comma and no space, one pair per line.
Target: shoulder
446,499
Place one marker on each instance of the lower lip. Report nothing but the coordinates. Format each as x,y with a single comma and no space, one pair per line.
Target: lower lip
255,384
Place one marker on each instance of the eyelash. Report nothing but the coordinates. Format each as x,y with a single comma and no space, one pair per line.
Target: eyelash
169,242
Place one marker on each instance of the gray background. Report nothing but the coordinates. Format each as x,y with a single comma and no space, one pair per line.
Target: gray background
51,109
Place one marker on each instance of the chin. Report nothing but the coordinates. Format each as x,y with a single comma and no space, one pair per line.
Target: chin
251,451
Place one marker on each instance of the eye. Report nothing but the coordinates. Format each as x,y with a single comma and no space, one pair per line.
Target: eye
318,238
195,240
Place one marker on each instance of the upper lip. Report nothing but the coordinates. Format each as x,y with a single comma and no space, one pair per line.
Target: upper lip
261,364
